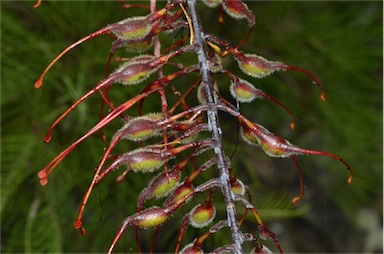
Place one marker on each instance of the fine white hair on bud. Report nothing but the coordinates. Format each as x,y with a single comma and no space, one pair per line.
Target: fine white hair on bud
141,128
133,28
257,66
202,215
242,90
239,10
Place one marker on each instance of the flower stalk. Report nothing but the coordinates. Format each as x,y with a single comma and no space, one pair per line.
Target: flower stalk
214,127
161,138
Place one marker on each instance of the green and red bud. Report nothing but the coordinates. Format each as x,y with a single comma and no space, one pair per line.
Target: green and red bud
150,158
239,10
249,137
259,67
272,145
147,159
237,186
191,249
179,193
160,186
150,217
275,146
244,91
133,28
136,28
163,184
134,73
141,128
203,214
199,216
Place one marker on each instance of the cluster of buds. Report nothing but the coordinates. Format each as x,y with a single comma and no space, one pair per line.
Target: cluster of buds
162,138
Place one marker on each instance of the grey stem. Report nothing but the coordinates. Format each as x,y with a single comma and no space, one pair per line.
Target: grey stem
214,128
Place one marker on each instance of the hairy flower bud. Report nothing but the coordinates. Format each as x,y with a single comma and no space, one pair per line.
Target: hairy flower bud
257,66
239,10
134,73
147,160
133,28
275,146
150,217
243,91
237,187
136,70
141,128
162,184
203,214
191,249
179,193
150,158
249,137
272,145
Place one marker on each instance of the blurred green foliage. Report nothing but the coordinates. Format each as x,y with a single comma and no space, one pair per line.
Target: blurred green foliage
339,42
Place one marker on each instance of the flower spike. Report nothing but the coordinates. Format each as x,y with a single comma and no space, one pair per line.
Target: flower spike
174,134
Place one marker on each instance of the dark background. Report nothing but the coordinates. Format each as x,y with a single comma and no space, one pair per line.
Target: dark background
339,42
